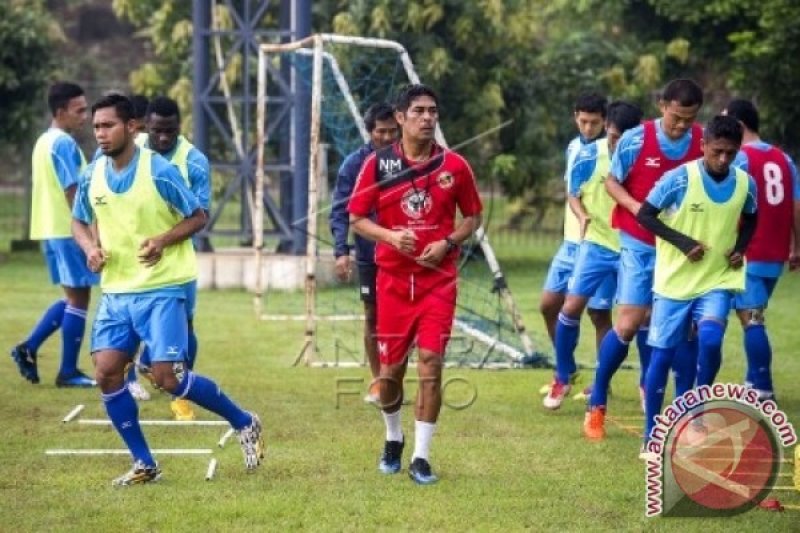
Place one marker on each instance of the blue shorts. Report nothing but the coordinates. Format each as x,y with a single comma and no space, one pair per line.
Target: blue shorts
671,320
191,297
635,279
757,292
159,321
595,274
67,263
560,272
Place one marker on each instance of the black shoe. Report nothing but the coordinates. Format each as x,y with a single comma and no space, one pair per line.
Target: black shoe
78,379
420,472
391,460
26,362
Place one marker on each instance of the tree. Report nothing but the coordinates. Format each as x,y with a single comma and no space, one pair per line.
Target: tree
27,37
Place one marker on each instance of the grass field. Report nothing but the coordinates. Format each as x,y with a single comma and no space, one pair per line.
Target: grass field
505,463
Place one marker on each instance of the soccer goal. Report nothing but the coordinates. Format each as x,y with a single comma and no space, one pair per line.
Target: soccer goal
345,75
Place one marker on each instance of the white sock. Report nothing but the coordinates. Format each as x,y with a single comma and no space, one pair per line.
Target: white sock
423,433
394,430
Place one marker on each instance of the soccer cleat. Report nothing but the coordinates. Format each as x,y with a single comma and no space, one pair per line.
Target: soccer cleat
252,442
182,409
420,472
555,397
373,396
26,362
78,379
138,392
646,455
574,378
594,423
392,456
139,474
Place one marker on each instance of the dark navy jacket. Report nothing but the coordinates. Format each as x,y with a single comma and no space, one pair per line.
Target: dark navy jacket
340,218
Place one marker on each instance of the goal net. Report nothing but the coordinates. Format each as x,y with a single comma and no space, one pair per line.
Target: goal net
344,76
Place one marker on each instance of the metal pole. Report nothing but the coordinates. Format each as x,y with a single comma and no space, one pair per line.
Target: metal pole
201,22
301,116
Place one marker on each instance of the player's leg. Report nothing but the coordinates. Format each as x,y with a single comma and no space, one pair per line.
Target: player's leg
161,323
711,315
750,308
366,280
395,331
24,354
180,407
555,286
112,339
435,323
669,323
76,280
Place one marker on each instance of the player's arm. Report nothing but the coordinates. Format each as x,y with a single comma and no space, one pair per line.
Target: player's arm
200,178
794,254
173,190
747,227
339,218
83,227
580,173
621,196
665,193
67,161
625,155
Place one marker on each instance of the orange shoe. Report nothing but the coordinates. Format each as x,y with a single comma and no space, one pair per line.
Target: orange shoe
594,423
374,394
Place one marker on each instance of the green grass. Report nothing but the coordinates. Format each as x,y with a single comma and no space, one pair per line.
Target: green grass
505,463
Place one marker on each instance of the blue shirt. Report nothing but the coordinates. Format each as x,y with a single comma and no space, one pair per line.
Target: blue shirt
67,160
339,217
670,190
767,269
582,168
169,184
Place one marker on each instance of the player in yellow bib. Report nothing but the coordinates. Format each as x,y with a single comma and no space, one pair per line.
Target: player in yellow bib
145,215
57,163
703,214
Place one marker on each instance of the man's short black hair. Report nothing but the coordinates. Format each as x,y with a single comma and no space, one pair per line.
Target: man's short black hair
591,103
624,115
684,91
121,104
724,127
411,93
140,103
61,93
164,107
376,112
745,112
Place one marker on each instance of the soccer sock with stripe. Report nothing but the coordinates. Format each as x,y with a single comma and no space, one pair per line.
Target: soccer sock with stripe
567,332
72,329
423,434
759,357
709,357
207,394
613,352
51,320
124,415
684,365
645,352
655,384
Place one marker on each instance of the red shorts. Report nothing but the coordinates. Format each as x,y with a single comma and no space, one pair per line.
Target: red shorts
413,307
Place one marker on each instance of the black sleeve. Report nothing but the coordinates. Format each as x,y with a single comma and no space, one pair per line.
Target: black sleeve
746,231
648,218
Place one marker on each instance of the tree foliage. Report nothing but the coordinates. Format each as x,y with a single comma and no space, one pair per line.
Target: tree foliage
27,36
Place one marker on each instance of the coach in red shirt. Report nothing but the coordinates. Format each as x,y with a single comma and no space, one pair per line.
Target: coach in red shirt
414,187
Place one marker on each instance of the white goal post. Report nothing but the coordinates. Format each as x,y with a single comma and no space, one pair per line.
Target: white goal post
315,45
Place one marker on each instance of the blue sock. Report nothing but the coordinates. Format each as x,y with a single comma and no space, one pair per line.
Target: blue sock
654,385
612,352
72,329
144,357
131,374
709,358
684,366
567,331
759,356
191,355
48,324
207,394
645,352
124,415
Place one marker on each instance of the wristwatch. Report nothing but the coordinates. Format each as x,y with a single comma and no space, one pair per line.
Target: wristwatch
451,244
